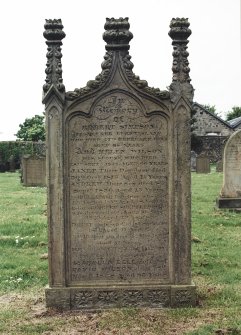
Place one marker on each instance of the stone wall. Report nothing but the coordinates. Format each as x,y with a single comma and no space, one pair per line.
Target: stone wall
211,146
209,123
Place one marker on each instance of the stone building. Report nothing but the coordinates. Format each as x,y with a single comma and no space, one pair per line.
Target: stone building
208,124
212,133
235,123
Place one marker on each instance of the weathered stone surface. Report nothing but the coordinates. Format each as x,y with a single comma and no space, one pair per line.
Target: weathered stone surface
118,171
193,161
219,166
211,147
202,164
33,171
111,297
208,123
231,188
11,163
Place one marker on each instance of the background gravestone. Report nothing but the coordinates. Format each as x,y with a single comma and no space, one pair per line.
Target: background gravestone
193,161
118,171
11,164
219,166
202,164
230,195
33,171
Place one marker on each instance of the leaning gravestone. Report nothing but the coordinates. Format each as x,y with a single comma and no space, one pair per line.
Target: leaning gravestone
230,195
33,170
202,164
118,166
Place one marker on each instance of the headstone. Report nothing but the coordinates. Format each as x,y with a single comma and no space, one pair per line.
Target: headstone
33,170
202,164
193,161
2,165
11,164
230,195
219,166
118,158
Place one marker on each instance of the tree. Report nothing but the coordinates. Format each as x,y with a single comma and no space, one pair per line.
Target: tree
235,112
33,129
211,109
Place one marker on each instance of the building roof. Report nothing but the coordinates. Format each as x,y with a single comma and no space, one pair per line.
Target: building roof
226,123
235,122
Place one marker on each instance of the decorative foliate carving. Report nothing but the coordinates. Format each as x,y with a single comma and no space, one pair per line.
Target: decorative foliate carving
107,297
159,297
54,35
179,34
141,84
94,84
117,36
82,299
183,296
134,298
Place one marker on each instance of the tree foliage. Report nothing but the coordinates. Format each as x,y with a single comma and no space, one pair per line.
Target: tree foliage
33,129
235,112
211,109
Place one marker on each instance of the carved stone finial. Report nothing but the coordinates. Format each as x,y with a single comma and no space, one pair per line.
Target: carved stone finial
54,35
117,34
179,34
53,31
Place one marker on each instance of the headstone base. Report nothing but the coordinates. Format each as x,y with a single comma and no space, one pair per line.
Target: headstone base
98,298
229,203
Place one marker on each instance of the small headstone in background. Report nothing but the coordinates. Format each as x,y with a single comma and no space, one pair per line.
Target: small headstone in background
33,171
219,166
2,165
230,195
193,161
11,163
203,164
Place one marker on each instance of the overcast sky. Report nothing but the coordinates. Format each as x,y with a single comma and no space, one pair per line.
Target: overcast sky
214,49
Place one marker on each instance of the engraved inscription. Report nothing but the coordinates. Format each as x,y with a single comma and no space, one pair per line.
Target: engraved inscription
118,177
232,167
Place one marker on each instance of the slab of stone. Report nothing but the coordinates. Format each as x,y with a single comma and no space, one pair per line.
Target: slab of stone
230,195
219,166
118,171
33,171
202,164
193,161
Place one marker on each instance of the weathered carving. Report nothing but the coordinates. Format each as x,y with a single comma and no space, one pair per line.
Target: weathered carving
133,298
159,297
179,34
82,299
54,34
118,167
94,84
117,36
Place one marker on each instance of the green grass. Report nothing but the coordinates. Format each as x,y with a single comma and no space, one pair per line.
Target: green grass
216,269
23,235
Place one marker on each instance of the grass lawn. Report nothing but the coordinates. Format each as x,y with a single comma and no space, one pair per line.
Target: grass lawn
24,272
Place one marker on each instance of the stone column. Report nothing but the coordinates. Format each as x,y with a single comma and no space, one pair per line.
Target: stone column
54,98
181,93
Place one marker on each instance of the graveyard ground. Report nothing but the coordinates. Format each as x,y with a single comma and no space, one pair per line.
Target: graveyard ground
23,271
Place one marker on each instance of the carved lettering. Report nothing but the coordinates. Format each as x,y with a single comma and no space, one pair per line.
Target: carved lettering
118,193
